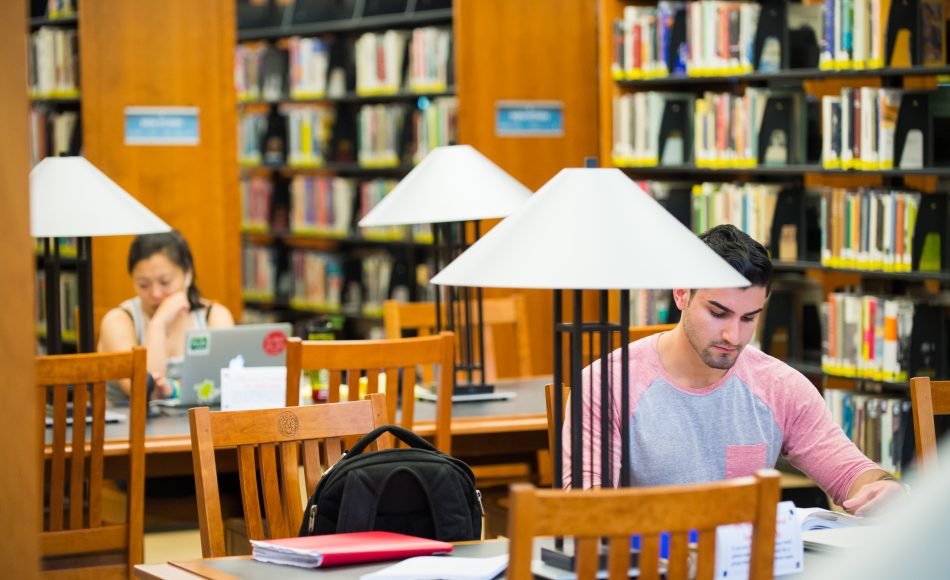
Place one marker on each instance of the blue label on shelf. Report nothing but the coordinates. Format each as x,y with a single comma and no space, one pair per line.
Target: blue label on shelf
161,126
529,119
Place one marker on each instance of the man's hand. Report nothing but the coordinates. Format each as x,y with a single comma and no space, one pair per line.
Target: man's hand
872,496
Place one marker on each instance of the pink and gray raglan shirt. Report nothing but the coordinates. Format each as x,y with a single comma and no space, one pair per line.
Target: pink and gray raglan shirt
760,409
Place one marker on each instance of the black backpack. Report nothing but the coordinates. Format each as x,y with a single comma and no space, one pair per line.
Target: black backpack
418,491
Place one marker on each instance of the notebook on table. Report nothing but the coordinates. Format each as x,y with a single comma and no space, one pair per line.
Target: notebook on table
349,548
208,350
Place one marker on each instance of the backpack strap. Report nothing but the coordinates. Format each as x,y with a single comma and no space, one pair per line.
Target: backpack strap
403,435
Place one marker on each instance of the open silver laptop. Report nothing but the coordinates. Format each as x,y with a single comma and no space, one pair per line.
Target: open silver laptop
209,350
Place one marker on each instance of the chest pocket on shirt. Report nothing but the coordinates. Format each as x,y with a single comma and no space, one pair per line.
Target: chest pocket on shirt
742,460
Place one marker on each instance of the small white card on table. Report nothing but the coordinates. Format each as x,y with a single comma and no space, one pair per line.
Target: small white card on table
253,388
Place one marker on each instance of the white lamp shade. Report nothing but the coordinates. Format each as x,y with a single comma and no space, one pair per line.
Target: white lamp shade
590,229
451,184
70,197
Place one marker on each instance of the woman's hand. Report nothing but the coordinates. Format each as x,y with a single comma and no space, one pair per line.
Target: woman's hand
161,388
173,306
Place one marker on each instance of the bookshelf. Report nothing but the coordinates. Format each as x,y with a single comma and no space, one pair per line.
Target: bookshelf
324,132
649,49
55,123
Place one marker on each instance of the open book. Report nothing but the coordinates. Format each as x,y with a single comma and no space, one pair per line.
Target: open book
337,549
822,519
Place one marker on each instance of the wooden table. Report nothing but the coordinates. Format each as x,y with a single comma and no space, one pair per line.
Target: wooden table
480,430
244,567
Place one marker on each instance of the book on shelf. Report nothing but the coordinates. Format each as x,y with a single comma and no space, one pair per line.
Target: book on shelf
309,67
876,128
308,134
257,196
881,426
54,63
258,272
321,205
348,548
317,281
54,133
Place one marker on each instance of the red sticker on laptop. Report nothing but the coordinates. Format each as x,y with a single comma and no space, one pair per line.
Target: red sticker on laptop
274,343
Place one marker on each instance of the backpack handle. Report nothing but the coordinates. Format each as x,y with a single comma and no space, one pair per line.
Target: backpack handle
404,435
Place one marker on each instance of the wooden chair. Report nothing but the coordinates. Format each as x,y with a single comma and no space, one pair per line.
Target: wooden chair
397,359
277,438
77,540
498,313
928,398
618,513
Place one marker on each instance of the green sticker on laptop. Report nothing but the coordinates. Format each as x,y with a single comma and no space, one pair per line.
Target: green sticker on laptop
199,343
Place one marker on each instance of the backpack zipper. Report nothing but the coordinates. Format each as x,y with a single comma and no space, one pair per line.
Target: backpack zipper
313,517
478,496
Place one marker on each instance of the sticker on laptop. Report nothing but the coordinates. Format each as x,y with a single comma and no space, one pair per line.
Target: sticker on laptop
206,392
274,343
199,344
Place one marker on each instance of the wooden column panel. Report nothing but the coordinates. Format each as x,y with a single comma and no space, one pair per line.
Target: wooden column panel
169,53
20,491
529,50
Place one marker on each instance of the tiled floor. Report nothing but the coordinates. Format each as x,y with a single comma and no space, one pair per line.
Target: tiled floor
161,547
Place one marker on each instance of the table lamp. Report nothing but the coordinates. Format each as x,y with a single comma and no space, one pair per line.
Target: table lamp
590,229
450,187
70,197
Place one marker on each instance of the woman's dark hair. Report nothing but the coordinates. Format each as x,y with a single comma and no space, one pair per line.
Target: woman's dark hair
173,245
742,252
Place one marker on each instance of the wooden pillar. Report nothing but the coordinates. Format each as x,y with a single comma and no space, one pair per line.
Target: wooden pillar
529,50
19,477
169,53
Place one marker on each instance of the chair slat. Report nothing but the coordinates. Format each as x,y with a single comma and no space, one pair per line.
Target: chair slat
333,392
57,483
588,556
618,557
78,458
290,483
353,385
333,447
372,381
408,389
247,473
96,460
649,557
392,394
679,554
312,470
706,555
273,506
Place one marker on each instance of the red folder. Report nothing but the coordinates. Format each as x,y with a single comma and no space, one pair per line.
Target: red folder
338,549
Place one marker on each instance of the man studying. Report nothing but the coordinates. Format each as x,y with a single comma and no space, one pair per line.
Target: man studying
706,406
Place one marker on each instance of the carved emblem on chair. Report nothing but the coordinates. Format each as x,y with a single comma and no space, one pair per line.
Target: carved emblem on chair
287,423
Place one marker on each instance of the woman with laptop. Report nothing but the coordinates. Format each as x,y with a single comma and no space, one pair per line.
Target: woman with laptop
166,306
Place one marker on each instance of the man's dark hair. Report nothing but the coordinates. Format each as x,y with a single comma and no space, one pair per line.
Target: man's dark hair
173,245
743,253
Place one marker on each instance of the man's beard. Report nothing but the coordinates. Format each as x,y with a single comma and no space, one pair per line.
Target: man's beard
712,358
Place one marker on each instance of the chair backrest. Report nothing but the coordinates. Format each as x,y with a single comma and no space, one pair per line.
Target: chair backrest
270,444
497,314
589,515
76,535
396,359
928,398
